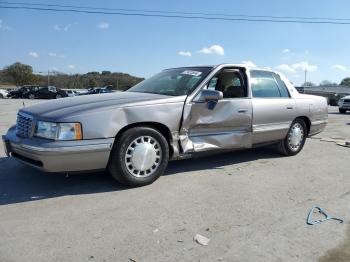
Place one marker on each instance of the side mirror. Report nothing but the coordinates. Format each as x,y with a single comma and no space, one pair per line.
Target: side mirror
211,97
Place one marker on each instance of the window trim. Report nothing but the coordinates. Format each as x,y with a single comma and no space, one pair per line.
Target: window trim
279,87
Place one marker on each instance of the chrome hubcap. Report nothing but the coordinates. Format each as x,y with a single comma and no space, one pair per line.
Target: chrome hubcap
295,136
143,156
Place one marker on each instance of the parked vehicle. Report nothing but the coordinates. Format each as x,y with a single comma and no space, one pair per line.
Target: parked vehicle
173,115
21,91
71,93
98,90
50,92
3,93
344,104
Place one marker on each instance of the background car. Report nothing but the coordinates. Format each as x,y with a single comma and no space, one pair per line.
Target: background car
344,104
71,92
21,91
50,92
98,90
3,93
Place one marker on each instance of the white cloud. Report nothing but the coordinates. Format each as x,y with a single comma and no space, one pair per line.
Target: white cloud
214,49
3,26
301,66
53,54
285,51
184,53
33,54
285,68
339,67
71,66
103,25
249,63
62,28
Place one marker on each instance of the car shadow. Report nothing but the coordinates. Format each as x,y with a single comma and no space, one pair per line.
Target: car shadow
20,183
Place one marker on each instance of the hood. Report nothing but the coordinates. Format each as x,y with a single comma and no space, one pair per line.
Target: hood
61,108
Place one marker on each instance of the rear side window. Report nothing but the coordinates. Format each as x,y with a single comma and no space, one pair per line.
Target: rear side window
282,86
264,84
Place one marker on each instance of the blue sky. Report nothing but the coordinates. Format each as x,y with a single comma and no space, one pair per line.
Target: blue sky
70,42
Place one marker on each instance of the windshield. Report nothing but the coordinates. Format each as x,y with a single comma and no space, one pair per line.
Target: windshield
173,82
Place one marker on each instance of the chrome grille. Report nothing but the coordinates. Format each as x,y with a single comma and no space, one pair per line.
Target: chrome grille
24,125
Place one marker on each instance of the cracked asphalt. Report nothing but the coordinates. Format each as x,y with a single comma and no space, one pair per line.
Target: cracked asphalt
251,204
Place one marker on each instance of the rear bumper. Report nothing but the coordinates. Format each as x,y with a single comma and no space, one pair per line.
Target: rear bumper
58,156
317,127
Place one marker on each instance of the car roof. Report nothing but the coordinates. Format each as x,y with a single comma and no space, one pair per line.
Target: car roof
227,65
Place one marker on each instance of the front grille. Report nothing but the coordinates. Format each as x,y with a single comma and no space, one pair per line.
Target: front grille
24,125
347,101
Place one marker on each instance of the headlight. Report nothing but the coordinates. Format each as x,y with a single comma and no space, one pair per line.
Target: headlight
58,131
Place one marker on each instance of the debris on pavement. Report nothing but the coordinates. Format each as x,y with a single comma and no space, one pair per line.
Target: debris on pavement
202,240
311,221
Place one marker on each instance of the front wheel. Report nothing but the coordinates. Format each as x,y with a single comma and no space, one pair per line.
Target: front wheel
294,142
139,156
342,111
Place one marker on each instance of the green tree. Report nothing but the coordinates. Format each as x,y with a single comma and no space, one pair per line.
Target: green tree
308,84
105,73
22,74
327,83
345,81
92,82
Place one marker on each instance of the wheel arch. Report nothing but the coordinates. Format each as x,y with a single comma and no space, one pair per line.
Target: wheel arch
163,129
307,122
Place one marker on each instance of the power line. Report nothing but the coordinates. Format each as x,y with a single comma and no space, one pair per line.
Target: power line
177,12
175,16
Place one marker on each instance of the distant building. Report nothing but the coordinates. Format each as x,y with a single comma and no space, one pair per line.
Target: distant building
332,93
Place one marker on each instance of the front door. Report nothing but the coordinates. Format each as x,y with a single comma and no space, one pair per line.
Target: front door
227,125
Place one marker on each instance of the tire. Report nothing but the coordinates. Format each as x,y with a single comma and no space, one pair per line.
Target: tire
342,111
290,147
31,96
134,170
1,96
58,96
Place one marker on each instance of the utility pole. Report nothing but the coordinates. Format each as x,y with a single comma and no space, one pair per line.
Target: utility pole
305,77
48,78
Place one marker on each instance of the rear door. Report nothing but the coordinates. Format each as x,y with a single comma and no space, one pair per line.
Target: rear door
273,107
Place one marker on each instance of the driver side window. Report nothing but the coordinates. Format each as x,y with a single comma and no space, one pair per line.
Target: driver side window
229,82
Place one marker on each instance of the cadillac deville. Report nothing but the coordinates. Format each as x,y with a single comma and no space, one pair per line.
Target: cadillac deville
173,115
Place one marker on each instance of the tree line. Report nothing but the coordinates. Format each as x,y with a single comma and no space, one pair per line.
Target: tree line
21,74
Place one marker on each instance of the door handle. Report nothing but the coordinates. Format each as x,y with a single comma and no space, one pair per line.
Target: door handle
242,110
289,107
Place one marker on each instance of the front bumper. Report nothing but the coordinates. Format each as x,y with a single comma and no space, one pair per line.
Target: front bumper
58,156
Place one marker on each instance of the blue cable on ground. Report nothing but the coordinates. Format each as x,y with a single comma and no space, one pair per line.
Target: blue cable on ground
321,211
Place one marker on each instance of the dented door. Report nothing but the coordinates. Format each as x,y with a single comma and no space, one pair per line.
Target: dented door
227,126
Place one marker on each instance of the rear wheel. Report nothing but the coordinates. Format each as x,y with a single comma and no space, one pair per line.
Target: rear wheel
294,142
31,96
342,111
139,156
